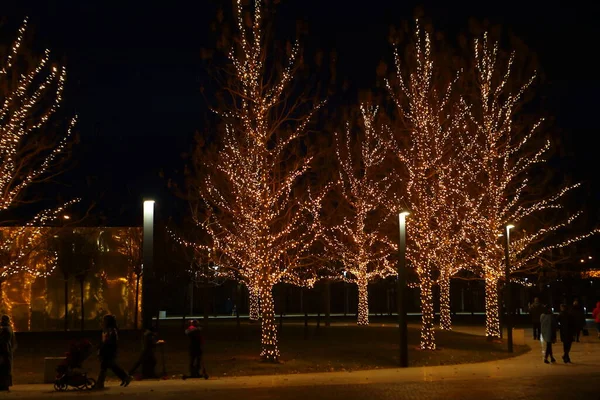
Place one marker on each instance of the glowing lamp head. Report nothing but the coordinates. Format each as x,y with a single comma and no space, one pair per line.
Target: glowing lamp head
66,216
509,226
148,207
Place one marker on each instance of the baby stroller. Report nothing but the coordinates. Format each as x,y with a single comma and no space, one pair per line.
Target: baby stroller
70,372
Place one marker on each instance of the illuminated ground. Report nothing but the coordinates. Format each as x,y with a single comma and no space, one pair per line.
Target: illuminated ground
342,347
522,377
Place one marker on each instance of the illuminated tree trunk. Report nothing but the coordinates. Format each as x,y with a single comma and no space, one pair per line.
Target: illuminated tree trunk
254,300
363,302
428,315
492,307
445,310
270,351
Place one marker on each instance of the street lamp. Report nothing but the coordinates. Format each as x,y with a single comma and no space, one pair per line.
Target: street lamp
401,291
507,294
147,263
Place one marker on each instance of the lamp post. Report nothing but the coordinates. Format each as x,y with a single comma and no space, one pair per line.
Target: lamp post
507,293
401,301
147,263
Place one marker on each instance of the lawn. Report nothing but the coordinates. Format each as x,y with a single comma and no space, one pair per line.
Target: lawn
230,351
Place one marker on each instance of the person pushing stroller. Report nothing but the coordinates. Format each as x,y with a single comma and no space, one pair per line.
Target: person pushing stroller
70,372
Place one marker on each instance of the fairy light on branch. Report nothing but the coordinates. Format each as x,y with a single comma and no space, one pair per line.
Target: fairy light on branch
28,153
358,242
504,153
258,226
434,119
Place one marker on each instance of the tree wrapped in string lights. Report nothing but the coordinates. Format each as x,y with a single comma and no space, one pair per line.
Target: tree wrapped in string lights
364,251
504,193
432,119
257,221
30,148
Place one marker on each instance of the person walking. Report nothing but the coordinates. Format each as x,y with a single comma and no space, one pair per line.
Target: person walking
535,311
147,359
194,333
108,353
8,344
579,318
567,327
596,316
548,333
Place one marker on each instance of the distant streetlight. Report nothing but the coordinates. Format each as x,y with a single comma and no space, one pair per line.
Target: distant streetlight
507,292
402,323
66,216
147,263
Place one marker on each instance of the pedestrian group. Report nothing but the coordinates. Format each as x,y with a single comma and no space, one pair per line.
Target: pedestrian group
570,324
107,354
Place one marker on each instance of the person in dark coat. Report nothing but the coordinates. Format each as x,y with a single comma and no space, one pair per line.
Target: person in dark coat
8,344
579,317
535,311
566,324
548,333
194,333
108,352
147,359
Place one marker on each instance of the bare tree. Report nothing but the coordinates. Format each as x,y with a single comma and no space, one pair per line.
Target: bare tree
257,227
30,147
504,189
429,155
358,240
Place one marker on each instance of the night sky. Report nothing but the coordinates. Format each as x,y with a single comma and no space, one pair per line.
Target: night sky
135,73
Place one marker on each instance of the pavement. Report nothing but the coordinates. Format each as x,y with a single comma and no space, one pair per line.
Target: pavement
522,377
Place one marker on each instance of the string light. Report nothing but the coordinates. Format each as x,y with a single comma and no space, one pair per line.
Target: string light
433,178
259,229
504,154
28,101
365,253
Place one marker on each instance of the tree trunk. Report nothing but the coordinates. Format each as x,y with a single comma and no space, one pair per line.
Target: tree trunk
445,309
81,282
281,303
254,300
3,308
346,303
305,309
269,352
492,308
327,303
192,299
238,302
205,303
137,301
66,303
363,302
185,298
428,315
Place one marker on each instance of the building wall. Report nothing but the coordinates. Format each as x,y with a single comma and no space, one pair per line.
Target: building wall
35,299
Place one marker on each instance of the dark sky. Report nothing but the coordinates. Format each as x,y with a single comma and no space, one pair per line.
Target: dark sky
135,72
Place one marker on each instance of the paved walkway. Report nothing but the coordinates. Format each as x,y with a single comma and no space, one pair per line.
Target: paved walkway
585,356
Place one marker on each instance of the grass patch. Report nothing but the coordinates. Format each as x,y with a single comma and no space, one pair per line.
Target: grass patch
231,351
